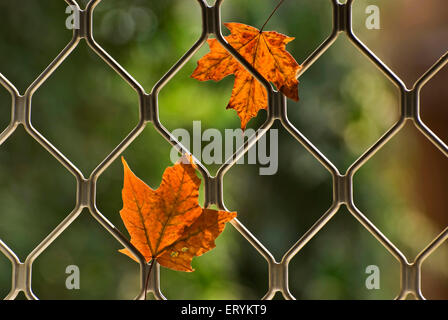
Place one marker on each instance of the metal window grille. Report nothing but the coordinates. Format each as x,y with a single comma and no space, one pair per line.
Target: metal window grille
277,110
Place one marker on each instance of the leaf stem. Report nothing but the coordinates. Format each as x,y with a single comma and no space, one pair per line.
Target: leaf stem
269,18
147,276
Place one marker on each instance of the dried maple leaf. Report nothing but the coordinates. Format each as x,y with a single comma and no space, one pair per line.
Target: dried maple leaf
168,224
266,51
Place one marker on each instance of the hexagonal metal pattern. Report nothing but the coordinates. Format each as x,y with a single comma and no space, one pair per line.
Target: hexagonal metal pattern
277,110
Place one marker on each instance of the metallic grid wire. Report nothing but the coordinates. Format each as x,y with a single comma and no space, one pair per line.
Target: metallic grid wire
277,110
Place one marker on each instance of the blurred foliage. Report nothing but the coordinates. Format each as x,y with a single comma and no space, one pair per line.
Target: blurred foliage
85,110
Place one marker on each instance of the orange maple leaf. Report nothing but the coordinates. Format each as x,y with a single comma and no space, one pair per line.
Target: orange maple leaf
167,224
266,51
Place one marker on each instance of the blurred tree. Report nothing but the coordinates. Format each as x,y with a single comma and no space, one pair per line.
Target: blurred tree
85,110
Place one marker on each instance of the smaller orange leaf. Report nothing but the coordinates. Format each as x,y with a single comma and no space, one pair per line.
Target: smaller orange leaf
266,52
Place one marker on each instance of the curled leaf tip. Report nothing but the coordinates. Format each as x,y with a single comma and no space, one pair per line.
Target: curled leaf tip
266,52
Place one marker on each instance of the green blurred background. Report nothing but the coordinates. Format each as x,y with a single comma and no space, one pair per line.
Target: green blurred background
346,104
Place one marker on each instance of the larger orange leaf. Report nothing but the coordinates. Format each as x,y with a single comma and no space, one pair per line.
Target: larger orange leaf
168,224
266,51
